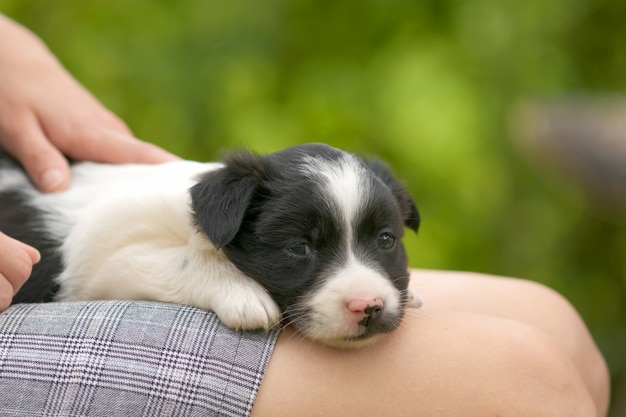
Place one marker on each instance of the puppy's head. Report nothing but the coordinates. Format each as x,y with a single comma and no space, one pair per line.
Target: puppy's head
321,230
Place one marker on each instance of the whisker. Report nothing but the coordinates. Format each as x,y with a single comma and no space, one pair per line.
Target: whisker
399,278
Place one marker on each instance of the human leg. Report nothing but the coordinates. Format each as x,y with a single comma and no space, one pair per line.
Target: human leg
523,301
436,364
476,360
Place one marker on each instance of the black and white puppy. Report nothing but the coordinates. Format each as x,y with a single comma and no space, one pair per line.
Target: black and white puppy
310,235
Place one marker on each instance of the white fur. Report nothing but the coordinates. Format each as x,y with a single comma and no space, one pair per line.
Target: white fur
346,182
132,237
354,281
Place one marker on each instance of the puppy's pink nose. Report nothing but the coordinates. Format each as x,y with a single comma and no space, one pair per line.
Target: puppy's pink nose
365,310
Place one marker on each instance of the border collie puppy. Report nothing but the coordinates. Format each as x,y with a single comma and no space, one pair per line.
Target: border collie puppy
310,235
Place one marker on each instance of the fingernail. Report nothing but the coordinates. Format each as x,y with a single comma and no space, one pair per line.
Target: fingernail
52,180
37,257
34,254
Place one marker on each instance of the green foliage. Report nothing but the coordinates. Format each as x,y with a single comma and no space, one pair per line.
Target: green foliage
427,86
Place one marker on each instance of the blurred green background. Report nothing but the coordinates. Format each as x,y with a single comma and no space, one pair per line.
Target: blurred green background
429,86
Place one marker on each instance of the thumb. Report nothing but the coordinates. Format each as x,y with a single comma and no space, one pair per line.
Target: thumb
33,253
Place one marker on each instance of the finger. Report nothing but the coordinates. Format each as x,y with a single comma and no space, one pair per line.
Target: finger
118,148
16,261
32,253
148,153
6,293
45,165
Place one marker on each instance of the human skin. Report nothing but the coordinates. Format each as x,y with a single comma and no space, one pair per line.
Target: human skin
480,346
45,114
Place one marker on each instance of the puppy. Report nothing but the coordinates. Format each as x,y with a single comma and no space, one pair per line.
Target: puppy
310,236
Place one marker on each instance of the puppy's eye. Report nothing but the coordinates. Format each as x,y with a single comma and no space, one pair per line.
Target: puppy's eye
300,249
386,241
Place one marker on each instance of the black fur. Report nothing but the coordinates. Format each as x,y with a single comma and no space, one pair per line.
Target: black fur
257,207
407,205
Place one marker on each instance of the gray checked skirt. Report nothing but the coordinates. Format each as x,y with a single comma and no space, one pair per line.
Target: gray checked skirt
126,358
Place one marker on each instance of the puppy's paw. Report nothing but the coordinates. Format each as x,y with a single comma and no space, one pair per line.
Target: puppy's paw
247,307
413,299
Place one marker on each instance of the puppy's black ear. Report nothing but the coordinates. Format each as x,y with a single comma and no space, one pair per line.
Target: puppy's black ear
407,205
220,198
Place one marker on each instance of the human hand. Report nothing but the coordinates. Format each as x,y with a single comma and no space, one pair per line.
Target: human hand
45,114
16,262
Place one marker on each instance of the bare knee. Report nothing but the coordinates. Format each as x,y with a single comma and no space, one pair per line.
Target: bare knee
525,302
542,380
504,367
559,320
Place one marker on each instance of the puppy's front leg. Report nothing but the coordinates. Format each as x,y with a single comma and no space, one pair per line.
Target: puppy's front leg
244,305
413,299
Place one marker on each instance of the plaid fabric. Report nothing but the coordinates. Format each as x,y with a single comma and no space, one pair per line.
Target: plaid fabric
126,358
